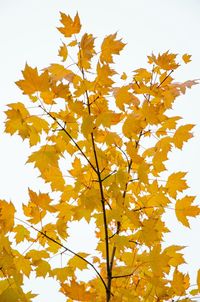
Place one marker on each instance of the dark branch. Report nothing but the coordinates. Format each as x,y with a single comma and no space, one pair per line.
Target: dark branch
123,276
97,169
72,139
109,175
66,249
165,78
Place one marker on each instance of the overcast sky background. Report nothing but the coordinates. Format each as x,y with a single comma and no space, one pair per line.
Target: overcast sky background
28,34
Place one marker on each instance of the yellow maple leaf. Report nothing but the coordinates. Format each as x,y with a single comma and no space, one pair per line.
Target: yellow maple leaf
20,121
77,291
59,72
182,135
61,273
132,126
158,159
180,283
46,157
77,262
70,26
3,285
109,47
63,52
43,267
36,215
159,261
176,183
48,97
53,175
169,123
186,58
107,119
86,51
124,96
87,125
133,153
150,113
104,80
142,74
121,242
7,211
184,209
143,172
21,233
42,200
37,255
61,225
175,257
16,117
32,81
151,231
165,61
22,264
38,123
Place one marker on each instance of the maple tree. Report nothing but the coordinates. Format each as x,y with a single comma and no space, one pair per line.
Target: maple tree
117,132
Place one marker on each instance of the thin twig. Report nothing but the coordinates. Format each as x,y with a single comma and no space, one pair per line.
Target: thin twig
165,78
109,175
144,95
122,276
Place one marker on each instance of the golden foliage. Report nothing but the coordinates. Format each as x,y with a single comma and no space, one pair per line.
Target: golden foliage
117,140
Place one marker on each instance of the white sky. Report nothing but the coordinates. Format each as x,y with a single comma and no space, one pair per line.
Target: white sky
28,34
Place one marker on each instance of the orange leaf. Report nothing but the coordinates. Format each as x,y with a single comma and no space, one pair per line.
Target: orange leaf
175,183
32,81
76,291
186,58
7,211
184,208
21,233
86,51
109,47
182,135
124,96
70,26
180,283
63,52
59,72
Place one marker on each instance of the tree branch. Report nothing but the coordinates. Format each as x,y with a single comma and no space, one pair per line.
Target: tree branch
123,276
97,169
129,164
165,78
72,139
66,249
109,175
